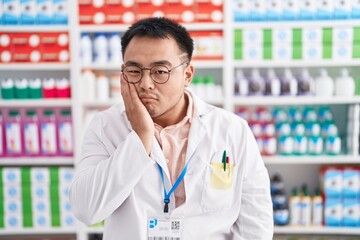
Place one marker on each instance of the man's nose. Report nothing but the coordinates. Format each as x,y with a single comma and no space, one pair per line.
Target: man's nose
146,80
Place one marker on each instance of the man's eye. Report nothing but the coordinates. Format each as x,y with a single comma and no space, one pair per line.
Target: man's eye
160,72
134,71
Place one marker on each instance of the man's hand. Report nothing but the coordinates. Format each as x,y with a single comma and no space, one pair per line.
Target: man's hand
137,114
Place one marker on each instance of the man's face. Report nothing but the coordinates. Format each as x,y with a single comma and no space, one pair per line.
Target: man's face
163,101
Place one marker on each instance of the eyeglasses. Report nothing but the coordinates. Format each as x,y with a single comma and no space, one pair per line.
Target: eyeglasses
159,73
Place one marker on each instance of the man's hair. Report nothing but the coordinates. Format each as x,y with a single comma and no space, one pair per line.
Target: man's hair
159,28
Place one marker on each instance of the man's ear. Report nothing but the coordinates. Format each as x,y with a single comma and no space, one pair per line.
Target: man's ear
189,74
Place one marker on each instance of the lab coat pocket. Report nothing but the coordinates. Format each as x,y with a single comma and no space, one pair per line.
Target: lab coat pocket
218,192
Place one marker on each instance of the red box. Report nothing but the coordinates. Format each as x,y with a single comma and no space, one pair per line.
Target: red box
208,45
26,47
5,47
208,12
55,47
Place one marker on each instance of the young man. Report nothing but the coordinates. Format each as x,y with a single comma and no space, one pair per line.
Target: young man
165,163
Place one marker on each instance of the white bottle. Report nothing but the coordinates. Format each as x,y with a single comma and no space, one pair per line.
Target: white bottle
86,49
88,81
241,83
272,85
305,83
289,85
114,43
324,84
100,48
102,87
344,84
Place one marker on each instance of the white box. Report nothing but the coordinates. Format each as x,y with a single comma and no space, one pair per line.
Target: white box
312,51
64,192
333,183
66,175
44,11
333,212
274,9
257,10
241,10
308,9
60,11
291,9
342,51
28,11
351,183
11,11
40,175
343,35
253,52
282,35
12,191
13,206
282,51
13,221
312,35
351,212
40,191
252,36
67,220
325,9
11,175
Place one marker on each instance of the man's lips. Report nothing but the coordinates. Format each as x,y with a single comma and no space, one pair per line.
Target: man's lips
146,97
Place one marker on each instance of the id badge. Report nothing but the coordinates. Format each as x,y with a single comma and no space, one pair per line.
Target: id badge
161,229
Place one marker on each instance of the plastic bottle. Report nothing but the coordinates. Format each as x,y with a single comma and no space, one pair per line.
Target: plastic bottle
305,206
114,43
102,87
241,83
317,208
21,88
7,88
65,130
272,84
289,85
31,133
344,84
256,83
49,89
48,133
2,135
86,49
13,134
295,208
115,87
88,81
305,83
100,48
324,84
35,88
62,86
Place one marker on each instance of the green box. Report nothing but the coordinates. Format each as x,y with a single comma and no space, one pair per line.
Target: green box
356,35
238,36
267,36
297,36
327,51
356,51
297,52
267,51
238,53
327,36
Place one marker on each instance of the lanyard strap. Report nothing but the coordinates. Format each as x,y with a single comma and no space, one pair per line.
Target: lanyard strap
167,195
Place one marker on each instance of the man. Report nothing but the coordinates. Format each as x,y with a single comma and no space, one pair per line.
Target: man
165,163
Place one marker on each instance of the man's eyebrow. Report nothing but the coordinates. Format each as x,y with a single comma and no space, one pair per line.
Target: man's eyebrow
161,62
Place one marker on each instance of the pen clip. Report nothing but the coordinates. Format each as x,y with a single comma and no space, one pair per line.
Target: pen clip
224,160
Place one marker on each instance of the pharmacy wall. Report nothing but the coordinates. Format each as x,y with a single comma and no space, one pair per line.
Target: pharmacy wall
290,68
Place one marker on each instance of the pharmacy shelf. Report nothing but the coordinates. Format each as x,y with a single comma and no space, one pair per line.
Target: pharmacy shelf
34,28
297,63
306,159
34,66
202,64
317,230
43,102
296,100
36,161
94,230
123,27
297,24
37,231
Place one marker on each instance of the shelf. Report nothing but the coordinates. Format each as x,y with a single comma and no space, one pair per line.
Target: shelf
296,63
100,104
43,102
34,28
298,100
297,24
94,230
306,159
317,230
34,66
37,231
35,161
124,27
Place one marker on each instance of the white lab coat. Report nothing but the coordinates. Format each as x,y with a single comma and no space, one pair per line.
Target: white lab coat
117,181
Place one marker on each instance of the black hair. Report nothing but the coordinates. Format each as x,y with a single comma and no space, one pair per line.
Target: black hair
159,27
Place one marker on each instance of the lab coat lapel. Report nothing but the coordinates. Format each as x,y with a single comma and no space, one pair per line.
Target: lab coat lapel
197,132
158,156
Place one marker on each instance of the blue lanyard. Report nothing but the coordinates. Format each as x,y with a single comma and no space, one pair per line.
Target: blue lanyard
167,195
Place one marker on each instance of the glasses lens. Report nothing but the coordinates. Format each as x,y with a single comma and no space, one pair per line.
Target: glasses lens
160,74
132,73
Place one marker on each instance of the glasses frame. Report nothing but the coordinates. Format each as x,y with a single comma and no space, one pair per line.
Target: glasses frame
157,65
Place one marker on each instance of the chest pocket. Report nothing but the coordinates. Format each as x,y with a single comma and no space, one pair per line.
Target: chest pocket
218,191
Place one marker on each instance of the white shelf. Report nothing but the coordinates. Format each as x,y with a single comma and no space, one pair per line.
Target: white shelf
297,24
35,161
43,102
34,66
38,231
94,230
298,100
124,27
306,159
34,28
100,104
296,63
317,230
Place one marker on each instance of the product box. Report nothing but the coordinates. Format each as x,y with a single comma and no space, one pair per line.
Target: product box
281,35
1,13
45,12
55,47
40,175
241,10
5,47
208,12
208,45
11,11
333,212
274,10
351,183
11,175
251,36
343,35
355,13
291,9
13,221
282,51
257,10
28,11
351,212
118,14
60,11
312,51
325,9
41,213
342,9
308,9
66,175
253,52
342,51
332,182
179,12
312,35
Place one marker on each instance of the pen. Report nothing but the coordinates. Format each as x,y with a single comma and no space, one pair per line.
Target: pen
224,160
